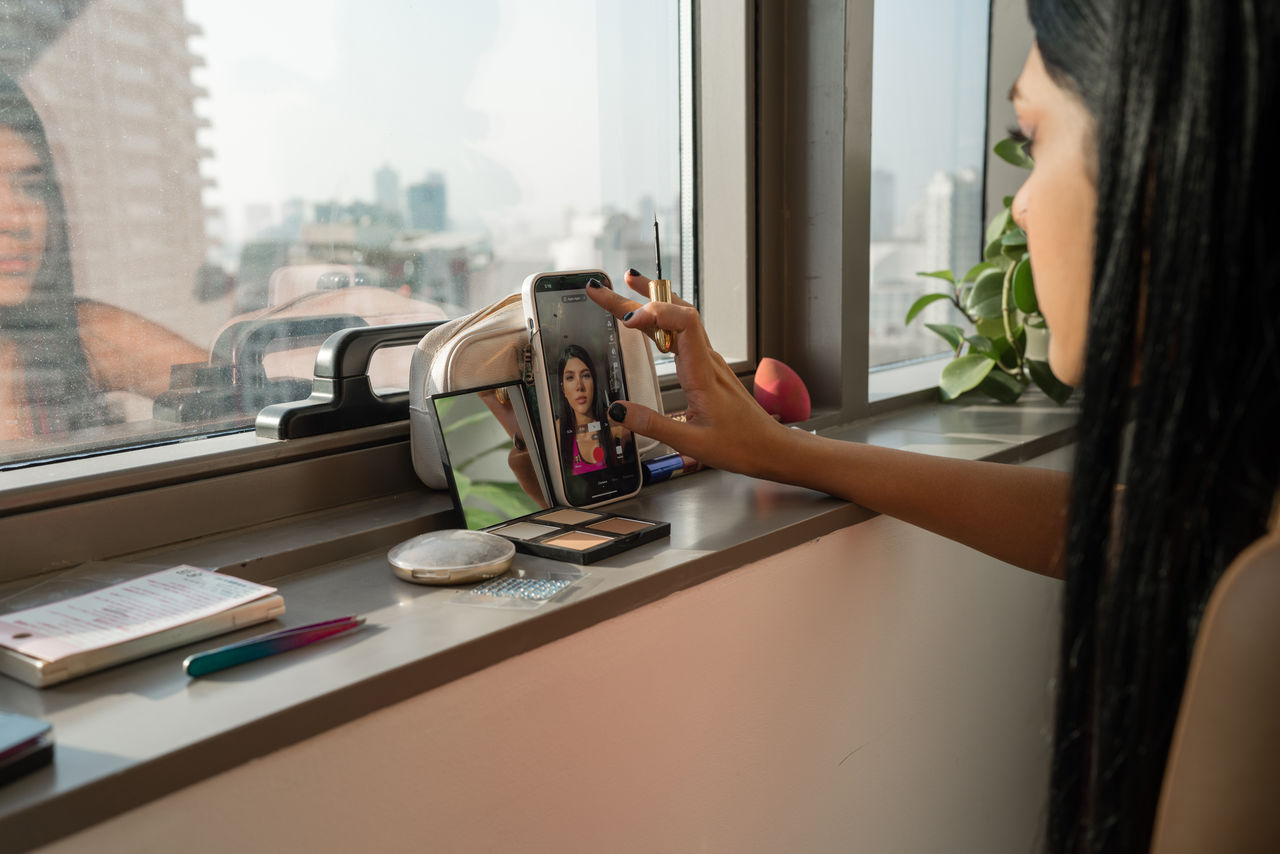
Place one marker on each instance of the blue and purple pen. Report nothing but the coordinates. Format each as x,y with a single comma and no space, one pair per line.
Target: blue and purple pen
204,663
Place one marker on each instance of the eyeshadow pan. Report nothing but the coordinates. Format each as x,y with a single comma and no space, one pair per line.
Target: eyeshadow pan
576,540
524,530
618,525
566,516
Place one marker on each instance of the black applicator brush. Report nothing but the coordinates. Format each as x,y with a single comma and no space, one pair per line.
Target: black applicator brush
660,291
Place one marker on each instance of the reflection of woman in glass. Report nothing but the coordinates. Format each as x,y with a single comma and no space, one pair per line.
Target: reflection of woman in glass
58,354
586,438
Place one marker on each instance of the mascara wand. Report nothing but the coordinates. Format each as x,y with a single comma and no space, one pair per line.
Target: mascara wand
660,291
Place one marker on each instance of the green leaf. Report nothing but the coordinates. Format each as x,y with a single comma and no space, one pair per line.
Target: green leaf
982,344
463,484
1008,201
964,374
1037,322
953,335
502,446
1024,288
999,224
477,518
921,304
985,300
1001,386
945,275
1014,153
1015,239
993,328
507,498
1042,375
1012,351
463,423
975,271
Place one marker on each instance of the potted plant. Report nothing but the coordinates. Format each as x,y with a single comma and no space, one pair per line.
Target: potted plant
998,299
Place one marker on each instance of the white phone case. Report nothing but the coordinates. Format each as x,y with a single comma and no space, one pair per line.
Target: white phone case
542,392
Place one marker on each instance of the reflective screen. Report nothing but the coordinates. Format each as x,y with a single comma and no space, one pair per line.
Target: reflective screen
493,478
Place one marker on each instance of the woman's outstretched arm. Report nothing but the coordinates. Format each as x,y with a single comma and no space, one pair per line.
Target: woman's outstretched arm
1014,513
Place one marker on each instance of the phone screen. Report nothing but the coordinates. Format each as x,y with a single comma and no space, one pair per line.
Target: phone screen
583,353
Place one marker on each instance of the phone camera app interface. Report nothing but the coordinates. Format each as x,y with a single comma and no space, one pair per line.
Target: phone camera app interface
582,350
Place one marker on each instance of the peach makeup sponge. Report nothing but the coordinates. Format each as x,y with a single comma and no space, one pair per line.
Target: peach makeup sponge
781,391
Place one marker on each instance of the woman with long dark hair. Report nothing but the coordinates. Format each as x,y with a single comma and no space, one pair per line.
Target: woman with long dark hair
1153,227
41,356
58,354
582,416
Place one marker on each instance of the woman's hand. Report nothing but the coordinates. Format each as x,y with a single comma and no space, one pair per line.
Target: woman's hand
724,427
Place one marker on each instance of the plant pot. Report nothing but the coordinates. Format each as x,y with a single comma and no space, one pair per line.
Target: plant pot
1038,344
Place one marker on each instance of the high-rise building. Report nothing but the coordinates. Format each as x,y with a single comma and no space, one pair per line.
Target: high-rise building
428,209
386,190
953,221
113,85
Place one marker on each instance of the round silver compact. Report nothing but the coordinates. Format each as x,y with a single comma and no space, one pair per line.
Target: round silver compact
451,557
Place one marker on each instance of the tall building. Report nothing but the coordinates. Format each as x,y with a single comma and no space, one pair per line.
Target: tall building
428,209
953,221
113,85
386,190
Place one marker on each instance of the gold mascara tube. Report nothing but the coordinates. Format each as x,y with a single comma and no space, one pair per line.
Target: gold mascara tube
660,291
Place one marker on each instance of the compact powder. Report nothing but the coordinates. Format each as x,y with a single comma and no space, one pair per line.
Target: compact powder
576,540
568,517
618,525
524,530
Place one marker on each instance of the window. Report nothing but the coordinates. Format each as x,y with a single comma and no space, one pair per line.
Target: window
743,74
928,139
190,181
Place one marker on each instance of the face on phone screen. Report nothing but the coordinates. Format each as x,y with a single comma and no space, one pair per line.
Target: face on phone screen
583,354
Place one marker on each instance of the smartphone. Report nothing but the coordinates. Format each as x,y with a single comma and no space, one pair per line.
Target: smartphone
577,374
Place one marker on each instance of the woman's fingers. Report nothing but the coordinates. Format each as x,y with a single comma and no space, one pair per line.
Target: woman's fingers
611,301
639,283
648,317
683,320
644,421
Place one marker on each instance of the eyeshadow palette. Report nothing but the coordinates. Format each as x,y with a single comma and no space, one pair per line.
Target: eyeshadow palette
498,485
589,537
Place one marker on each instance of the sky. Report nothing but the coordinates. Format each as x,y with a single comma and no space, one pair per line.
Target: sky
526,108
929,93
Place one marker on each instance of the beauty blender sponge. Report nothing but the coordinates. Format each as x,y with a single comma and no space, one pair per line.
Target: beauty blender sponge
781,391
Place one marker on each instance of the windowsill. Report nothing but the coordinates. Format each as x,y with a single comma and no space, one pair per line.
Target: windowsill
918,376
134,733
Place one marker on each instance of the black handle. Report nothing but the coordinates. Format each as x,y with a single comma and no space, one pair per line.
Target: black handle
342,397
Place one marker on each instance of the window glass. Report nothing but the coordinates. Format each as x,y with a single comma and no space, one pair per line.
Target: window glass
928,136
195,194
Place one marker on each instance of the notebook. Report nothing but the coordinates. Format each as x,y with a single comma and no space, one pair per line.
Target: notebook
82,634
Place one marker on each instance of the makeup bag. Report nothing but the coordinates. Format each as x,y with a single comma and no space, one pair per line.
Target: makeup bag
489,347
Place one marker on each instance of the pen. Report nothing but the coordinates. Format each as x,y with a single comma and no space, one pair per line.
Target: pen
203,663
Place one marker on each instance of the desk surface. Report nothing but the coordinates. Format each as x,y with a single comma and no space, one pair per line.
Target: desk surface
128,735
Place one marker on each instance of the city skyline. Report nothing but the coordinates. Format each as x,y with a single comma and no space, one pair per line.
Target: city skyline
519,136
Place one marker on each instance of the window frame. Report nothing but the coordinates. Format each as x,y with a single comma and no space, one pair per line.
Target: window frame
1009,37
778,246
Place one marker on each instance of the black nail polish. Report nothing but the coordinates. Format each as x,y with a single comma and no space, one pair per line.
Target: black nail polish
627,316
618,412
594,283
632,271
